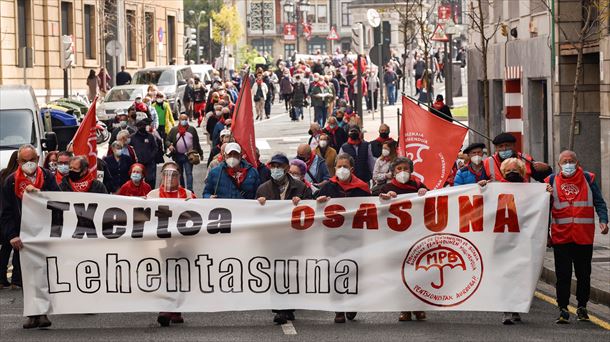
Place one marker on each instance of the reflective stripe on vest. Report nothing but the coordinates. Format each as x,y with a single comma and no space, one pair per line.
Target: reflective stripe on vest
557,204
577,220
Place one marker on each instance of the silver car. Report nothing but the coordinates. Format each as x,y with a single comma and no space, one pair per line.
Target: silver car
118,100
171,80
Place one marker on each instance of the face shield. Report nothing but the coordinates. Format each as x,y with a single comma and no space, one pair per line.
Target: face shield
170,179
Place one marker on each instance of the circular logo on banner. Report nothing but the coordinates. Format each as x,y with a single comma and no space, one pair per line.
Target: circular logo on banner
442,269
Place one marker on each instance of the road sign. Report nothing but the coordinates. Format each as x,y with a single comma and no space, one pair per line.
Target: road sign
114,48
332,35
450,27
160,34
439,34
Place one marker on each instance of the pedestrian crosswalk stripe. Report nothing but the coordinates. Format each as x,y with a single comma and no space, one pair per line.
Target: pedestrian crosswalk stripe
289,329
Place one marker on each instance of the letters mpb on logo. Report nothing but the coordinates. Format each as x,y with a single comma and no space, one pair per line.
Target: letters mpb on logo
442,269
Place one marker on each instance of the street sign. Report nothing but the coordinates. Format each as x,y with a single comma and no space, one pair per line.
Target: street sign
290,31
160,34
114,48
439,34
332,35
450,27
373,17
444,12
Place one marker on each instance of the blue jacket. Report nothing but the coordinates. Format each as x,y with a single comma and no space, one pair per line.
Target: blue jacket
319,170
219,183
465,175
216,133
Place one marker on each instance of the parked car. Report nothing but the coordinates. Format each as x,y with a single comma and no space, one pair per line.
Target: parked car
118,99
170,80
22,123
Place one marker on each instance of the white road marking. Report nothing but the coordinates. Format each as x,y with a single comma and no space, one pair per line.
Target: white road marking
272,118
289,329
262,144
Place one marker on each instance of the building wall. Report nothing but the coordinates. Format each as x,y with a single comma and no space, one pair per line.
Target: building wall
46,76
604,93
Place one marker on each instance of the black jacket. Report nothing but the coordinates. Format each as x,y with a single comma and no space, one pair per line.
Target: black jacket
271,191
299,94
337,139
145,146
334,190
97,187
10,219
119,170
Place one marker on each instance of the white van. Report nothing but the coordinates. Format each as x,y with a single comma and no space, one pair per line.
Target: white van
21,123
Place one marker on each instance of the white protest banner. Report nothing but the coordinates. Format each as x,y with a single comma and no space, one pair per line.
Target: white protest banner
461,248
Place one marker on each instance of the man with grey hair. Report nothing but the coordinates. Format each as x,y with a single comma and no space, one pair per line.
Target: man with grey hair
80,179
29,177
575,197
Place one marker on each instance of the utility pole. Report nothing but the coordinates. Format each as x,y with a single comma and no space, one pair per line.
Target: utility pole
263,24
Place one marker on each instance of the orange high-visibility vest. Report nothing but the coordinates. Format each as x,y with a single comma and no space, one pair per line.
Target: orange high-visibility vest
492,167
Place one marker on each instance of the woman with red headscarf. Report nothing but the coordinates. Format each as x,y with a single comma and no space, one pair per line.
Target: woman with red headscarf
136,186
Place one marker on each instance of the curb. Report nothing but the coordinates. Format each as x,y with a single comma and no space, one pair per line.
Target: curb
597,295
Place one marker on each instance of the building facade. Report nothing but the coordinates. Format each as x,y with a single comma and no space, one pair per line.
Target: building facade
149,32
531,74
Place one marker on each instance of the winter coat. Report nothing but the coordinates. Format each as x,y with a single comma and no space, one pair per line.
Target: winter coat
286,86
145,145
173,138
119,171
318,170
220,184
271,191
382,167
97,187
466,176
264,89
299,94
330,155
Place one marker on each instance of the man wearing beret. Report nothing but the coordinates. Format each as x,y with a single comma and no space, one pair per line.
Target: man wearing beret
473,172
504,144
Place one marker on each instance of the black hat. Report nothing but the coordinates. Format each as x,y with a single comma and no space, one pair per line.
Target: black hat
473,146
439,97
144,122
279,159
504,138
354,128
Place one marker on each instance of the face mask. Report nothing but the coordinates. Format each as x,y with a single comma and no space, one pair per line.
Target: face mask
136,177
333,126
160,101
513,177
184,122
323,143
117,153
354,136
232,162
74,175
295,176
29,168
384,135
52,166
138,101
128,141
505,154
277,173
385,152
568,169
476,160
403,177
63,169
343,173
305,159
123,124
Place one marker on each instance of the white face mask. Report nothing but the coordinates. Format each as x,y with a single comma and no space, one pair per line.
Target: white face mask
29,168
343,173
323,143
476,160
232,162
385,152
403,177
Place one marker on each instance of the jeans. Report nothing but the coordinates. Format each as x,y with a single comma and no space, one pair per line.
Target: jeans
392,94
298,112
187,168
268,107
320,115
580,255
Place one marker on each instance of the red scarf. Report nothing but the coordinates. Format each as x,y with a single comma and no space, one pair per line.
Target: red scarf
577,181
438,105
353,141
83,184
22,181
58,177
181,193
182,129
354,183
222,120
237,176
131,189
477,175
406,186
310,161
384,140
332,131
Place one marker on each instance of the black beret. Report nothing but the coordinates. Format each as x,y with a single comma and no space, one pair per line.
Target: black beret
473,146
504,138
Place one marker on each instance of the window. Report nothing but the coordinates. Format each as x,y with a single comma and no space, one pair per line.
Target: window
149,32
311,15
289,50
322,16
263,45
289,17
346,15
513,9
131,35
171,40
89,28
67,20
315,44
24,32
537,6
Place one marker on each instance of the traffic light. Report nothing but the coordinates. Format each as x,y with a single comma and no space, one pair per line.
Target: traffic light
67,52
504,30
358,38
190,39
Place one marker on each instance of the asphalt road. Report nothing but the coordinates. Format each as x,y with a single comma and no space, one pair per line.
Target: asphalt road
273,135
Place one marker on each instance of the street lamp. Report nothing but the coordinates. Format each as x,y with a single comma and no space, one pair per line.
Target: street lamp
295,10
202,13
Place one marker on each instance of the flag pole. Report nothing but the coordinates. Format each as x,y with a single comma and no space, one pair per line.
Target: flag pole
446,116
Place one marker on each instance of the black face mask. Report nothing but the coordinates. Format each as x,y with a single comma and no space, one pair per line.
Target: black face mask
354,136
74,175
302,158
514,177
384,135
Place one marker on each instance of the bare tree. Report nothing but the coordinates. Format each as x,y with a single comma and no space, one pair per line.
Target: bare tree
593,16
408,30
478,19
424,10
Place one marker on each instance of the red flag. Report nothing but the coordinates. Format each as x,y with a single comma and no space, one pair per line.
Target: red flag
242,123
85,140
430,142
